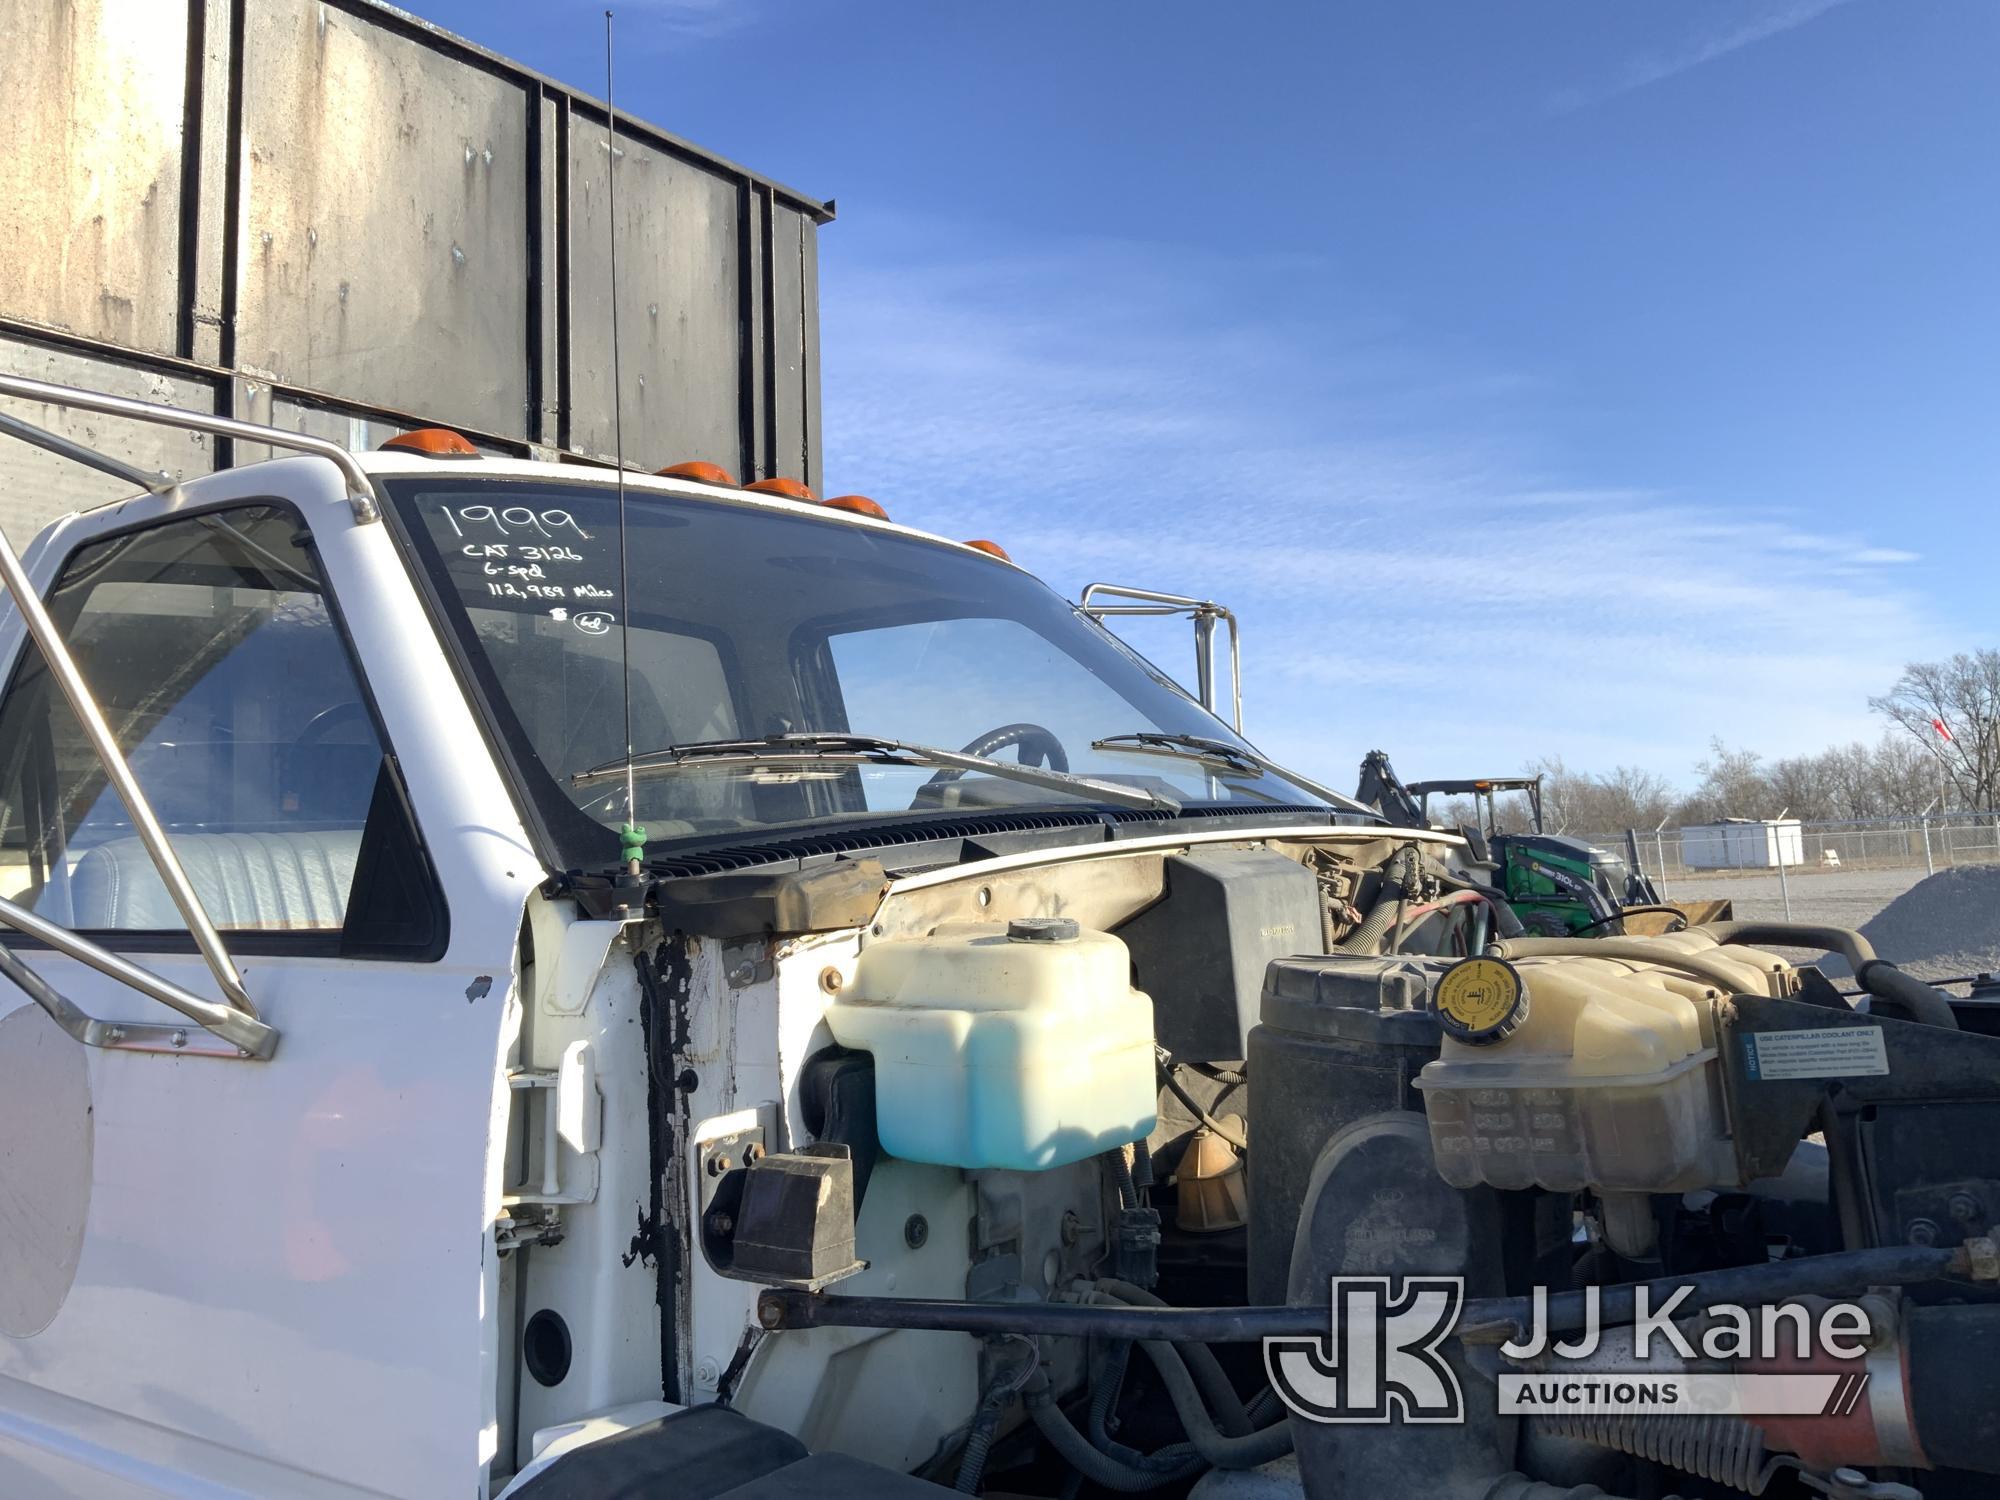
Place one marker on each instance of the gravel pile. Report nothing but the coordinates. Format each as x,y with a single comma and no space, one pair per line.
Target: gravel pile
1946,924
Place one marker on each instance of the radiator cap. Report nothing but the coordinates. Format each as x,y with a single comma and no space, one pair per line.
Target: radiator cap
1481,1000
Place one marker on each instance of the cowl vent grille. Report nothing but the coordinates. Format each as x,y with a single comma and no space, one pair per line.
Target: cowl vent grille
1112,823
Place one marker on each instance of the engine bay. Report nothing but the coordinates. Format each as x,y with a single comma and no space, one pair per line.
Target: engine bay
1022,1177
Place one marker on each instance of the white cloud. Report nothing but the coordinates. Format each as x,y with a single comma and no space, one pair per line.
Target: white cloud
683,20
1747,24
1407,572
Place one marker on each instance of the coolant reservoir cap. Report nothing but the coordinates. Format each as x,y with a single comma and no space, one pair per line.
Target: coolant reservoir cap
1481,999
1044,930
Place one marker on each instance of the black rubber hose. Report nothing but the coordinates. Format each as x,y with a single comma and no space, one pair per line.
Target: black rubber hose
1244,1452
1367,938
978,1444
1216,1073
1206,1368
1390,898
1100,1468
1107,1380
1521,1487
1906,993
1128,1192
1635,910
1194,1106
1506,921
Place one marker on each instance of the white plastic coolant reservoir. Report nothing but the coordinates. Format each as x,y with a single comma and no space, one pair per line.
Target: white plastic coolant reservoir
1020,1046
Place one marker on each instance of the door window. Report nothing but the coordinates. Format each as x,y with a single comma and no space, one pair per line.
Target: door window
210,646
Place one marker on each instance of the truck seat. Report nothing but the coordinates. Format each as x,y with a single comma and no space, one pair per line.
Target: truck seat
248,881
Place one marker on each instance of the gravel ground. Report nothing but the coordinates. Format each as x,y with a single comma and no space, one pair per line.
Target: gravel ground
1845,898
1944,925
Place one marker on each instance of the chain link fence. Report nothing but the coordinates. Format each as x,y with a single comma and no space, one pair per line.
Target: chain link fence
1919,844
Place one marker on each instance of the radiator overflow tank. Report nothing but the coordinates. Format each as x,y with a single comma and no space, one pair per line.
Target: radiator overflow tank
1582,1072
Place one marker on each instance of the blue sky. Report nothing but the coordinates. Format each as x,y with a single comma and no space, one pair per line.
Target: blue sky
1534,377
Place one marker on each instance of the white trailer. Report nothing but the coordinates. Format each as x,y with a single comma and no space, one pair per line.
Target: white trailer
1743,844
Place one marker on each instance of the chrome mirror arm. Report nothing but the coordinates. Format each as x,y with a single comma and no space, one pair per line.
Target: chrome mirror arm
62,666
1204,612
218,1030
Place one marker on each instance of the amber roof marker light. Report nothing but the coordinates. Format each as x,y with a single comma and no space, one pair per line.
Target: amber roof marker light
859,505
700,471
991,548
784,489
431,442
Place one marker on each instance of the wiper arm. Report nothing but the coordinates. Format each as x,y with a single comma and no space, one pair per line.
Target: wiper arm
868,749
1239,757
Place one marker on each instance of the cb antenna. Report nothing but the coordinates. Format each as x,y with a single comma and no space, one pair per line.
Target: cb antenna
631,837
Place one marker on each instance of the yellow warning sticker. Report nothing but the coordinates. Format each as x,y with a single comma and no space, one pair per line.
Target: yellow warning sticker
1478,994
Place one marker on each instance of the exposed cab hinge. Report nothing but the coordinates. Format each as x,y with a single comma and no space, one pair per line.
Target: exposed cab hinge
557,1121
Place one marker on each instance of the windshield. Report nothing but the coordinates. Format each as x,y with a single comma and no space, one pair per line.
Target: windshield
749,621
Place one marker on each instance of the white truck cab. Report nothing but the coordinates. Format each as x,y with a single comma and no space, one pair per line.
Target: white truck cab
540,983
365,1081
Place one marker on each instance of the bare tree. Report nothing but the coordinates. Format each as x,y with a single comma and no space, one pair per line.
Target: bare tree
1577,802
1637,798
1807,786
1963,694
1896,777
1899,776
1733,785
1903,777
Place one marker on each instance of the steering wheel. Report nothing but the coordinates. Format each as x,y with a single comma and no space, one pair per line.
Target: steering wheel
323,723
1038,747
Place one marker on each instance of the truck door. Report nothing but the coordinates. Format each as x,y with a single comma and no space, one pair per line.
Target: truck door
221,1275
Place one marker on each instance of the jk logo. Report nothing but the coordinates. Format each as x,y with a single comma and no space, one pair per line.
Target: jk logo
1380,1360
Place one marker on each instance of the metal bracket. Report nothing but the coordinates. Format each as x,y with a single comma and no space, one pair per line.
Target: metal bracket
1852,1484
360,490
219,1031
511,1233
730,1141
1205,613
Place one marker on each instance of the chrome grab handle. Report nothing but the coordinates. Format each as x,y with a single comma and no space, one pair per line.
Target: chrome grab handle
360,492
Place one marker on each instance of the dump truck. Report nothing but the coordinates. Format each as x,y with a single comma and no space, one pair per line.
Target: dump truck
528,976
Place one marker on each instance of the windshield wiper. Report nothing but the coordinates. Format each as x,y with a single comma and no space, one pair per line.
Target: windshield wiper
868,749
1239,758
